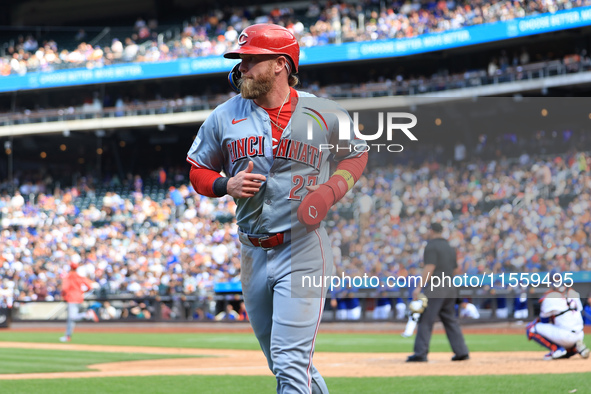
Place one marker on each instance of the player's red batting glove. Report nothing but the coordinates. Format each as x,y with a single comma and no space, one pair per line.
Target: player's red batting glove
314,207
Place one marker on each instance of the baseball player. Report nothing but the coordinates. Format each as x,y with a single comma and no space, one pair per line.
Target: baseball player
276,164
560,324
73,288
382,308
520,310
468,310
354,309
400,308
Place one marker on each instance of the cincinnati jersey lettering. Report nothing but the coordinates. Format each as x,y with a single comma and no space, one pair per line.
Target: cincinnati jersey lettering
246,147
300,152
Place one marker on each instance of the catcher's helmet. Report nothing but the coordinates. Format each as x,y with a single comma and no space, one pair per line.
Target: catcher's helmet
267,39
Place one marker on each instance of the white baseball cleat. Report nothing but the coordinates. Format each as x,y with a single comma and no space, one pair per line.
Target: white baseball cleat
65,339
582,349
559,353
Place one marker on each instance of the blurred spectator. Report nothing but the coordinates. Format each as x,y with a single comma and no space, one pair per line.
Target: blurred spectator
200,314
382,309
178,201
108,311
228,314
339,305
587,312
40,289
140,311
460,152
353,308
520,308
30,45
243,315
329,23
131,50
400,309
80,35
117,49
130,243
502,311
468,310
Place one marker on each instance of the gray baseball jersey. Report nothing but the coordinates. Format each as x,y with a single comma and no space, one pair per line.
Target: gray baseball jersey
284,315
239,131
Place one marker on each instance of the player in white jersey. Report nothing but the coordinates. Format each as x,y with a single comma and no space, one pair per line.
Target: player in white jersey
560,325
275,146
468,310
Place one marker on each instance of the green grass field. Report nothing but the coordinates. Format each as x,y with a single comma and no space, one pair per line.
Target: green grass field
37,360
326,342
28,360
507,384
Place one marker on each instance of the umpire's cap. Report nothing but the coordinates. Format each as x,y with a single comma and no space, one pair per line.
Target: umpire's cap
437,227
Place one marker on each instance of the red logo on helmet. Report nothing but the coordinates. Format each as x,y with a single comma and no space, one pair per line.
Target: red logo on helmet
263,39
242,39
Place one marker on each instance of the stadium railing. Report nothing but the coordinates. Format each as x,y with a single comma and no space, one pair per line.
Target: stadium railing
413,87
186,308
143,109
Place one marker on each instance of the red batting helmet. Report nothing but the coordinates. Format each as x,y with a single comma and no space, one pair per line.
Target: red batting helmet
263,39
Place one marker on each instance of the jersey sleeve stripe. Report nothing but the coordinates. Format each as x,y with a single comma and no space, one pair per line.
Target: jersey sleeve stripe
322,300
196,164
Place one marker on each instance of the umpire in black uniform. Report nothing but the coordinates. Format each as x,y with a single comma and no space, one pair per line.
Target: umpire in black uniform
439,258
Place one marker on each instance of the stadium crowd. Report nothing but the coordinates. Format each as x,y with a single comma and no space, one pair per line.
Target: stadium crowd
123,103
502,216
216,32
527,213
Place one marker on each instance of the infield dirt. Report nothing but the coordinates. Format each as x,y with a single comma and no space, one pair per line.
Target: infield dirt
251,362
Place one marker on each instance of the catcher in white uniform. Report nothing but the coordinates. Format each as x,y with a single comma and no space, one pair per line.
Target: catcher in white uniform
560,325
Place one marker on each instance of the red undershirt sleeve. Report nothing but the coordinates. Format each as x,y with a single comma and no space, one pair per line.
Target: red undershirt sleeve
202,180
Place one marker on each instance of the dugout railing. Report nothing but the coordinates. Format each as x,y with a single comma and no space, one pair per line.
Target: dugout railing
190,308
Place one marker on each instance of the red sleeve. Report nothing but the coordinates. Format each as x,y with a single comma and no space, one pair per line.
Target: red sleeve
202,180
337,182
354,165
